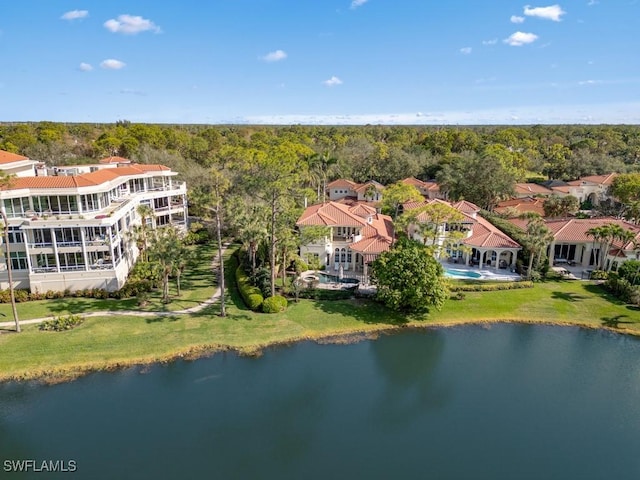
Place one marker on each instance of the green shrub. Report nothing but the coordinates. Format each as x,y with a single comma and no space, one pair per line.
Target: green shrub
60,324
251,295
491,287
322,294
21,295
300,266
599,275
274,304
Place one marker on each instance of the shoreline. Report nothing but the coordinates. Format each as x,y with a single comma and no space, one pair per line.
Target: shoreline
73,372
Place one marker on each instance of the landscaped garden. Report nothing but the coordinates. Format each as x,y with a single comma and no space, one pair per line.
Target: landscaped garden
114,341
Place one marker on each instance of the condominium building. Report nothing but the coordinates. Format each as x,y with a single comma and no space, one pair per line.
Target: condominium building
69,227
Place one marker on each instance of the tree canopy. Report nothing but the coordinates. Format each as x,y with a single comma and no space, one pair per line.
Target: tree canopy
409,278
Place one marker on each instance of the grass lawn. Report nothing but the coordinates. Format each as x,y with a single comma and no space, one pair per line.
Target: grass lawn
109,342
197,285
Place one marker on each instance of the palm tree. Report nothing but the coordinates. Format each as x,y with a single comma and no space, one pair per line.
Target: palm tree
140,233
537,238
320,164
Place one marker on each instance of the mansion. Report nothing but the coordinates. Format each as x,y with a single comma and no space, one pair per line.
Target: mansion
68,227
357,234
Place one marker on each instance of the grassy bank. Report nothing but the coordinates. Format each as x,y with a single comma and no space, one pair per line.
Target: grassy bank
111,342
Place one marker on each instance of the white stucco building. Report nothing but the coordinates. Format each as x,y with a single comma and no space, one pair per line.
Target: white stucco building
68,226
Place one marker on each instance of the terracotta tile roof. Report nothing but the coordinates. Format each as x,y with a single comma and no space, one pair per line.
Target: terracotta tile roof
413,205
330,214
8,157
372,245
415,182
563,189
431,185
371,183
114,160
531,189
595,179
85,180
466,207
362,209
342,182
522,205
485,235
574,230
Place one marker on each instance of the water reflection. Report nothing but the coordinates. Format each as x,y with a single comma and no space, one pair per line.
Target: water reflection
408,364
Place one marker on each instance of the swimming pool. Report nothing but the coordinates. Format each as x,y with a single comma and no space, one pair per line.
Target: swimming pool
326,278
457,273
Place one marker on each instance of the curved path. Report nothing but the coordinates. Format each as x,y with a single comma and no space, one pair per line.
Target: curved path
215,265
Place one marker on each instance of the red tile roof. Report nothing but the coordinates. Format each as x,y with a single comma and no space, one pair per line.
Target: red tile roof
595,179
531,189
330,214
371,183
85,180
485,235
8,157
466,207
342,182
522,205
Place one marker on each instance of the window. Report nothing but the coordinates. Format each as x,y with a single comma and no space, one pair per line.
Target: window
71,261
42,237
90,203
15,235
15,207
19,260
68,237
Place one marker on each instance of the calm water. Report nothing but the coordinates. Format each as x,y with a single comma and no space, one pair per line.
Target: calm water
506,402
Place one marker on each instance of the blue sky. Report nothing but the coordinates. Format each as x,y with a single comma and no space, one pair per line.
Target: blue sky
321,61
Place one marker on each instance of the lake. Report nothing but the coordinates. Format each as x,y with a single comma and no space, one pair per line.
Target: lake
473,402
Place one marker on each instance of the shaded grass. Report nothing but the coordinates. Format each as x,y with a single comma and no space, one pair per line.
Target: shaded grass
198,284
116,341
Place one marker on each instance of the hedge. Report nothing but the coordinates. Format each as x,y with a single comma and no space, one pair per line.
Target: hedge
250,294
321,294
491,287
274,304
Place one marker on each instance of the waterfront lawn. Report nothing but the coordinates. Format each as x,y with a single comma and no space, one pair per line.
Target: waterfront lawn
117,341
198,283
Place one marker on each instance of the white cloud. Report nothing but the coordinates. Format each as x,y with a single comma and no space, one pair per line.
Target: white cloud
85,67
466,50
516,19
358,3
493,41
130,25
520,38
333,81
592,2
589,82
112,64
275,56
553,12
75,14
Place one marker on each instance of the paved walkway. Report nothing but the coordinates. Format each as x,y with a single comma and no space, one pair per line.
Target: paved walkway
215,265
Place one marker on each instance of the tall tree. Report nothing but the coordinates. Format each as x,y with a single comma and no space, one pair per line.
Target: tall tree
165,247
395,195
274,176
480,180
537,238
409,278
211,199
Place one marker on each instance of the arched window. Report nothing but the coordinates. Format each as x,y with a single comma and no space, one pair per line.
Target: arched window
343,255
